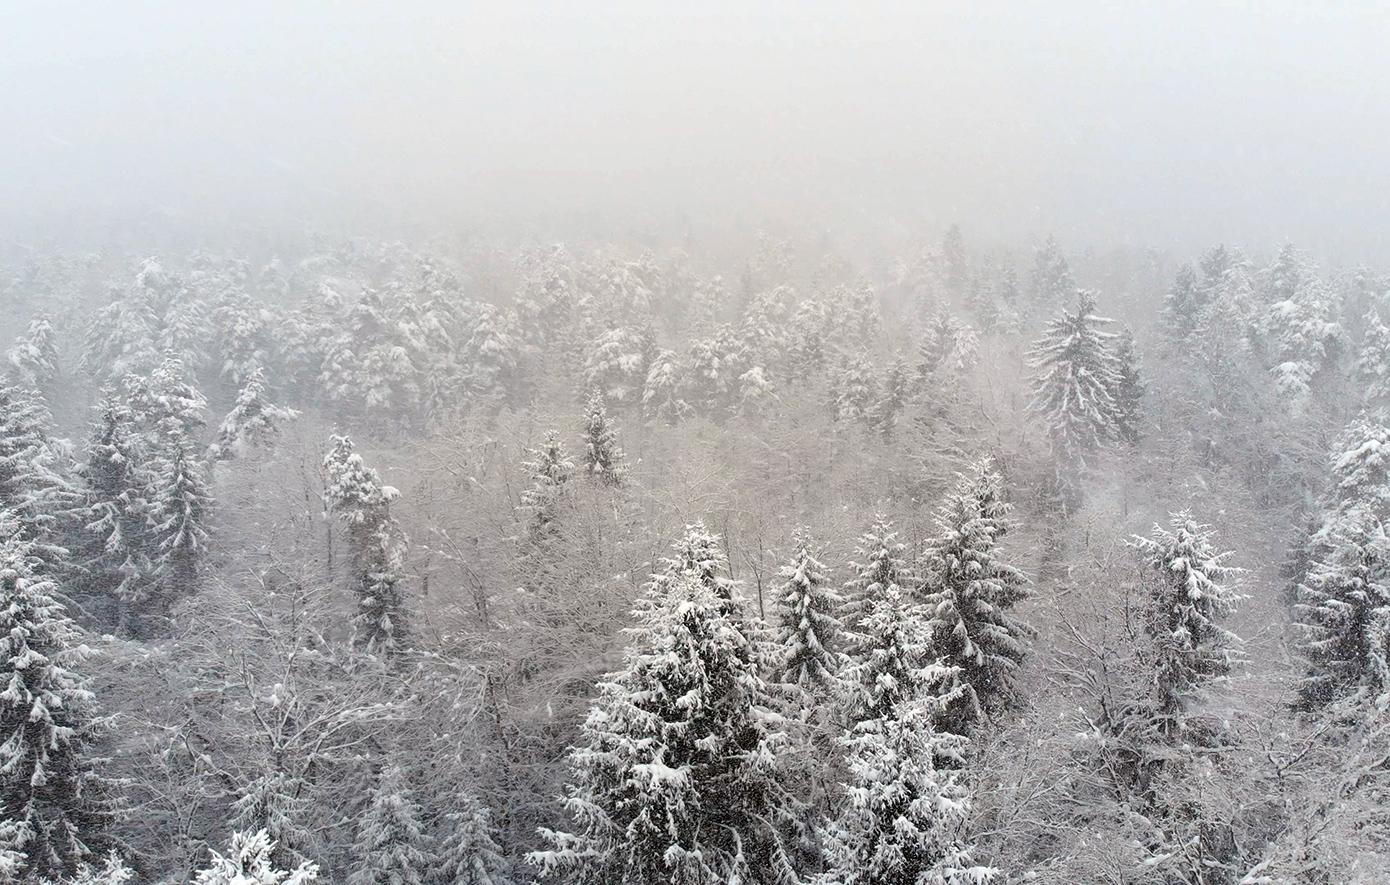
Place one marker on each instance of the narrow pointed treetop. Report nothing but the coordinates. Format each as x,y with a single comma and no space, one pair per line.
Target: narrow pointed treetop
1078,375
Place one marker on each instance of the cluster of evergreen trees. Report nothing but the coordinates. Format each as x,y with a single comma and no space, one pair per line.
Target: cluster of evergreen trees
356,721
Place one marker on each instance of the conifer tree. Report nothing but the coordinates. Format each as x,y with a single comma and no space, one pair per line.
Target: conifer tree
166,403
967,590
905,805
249,863
676,778
603,459
1373,360
250,422
179,506
1189,594
661,393
618,365
881,564
1074,390
1183,303
391,844
1129,388
469,853
32,487
853,388
892,399
1053,284
808,630
34,357
549,469
1344,609
48,788
356,493
891,659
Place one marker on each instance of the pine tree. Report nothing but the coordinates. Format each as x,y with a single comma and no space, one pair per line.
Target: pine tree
250,422
469,853
34,357
661,393
905,805
1129,388
617,367
892,399
1183,303
967,591
603,459
549,469
48,788
1053,284
853,388
1344,610
676,779
166,403
114,514
1078,375
249,863
32,486
179,508
391,844
490,356
891,659
363,503
1189,594
948,348
881,565
808,630
274,803
1373,360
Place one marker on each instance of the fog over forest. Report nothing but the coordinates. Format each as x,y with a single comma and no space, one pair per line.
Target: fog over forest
628,444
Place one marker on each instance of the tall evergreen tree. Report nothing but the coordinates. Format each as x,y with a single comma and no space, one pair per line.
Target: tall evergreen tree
1344,610
603,458
1129,388
808,629
676,779
1183,303
905,805
469,853
249,863
251,421
392,847
32,486
549,469
33,359
180,506
1053,283
1078,374
968,589
1189,593
880,564
363,503
48,788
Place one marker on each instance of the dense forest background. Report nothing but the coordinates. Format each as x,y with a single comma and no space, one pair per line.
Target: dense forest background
471,561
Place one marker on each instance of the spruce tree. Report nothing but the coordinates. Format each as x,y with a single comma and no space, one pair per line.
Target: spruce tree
661,399
549,469
1052,281
250,422
1373,360
249,863
880,564
33,359
469,853
603,458
808,629
32,486
1344,611
1189,593
967,590
363,503
905,805
1078,374
1129,388
48,788
116,546
179,508
392,847
1183,303
676,777
892,399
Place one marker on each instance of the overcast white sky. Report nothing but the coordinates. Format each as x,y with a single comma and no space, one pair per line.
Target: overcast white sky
1175,124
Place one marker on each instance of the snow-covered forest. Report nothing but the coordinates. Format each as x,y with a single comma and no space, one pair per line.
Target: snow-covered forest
760,561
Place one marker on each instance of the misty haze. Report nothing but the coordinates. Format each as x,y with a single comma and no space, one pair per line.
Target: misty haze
629,444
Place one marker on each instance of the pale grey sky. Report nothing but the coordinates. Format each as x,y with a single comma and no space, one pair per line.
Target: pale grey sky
1175,124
